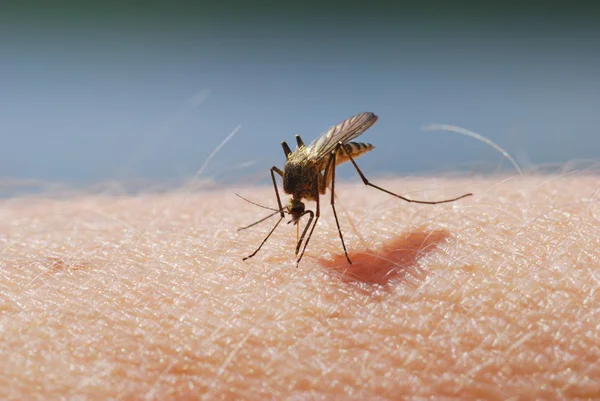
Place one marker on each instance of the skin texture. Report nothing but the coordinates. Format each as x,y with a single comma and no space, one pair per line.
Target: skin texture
146,297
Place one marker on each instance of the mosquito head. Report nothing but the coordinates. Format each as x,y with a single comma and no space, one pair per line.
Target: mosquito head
295,207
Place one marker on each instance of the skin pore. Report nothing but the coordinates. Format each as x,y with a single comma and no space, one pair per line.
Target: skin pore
496,296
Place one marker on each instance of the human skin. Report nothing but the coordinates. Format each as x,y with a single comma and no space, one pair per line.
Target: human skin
495,296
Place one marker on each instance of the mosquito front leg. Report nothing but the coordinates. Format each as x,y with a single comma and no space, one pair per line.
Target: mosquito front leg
331,165
265,240
317,215
273,171
366,182
299,242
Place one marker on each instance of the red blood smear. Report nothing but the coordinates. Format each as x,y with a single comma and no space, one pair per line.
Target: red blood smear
390,261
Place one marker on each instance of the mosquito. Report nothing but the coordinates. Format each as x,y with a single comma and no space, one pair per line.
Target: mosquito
310,170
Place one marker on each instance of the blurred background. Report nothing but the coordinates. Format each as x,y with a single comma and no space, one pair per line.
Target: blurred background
112,91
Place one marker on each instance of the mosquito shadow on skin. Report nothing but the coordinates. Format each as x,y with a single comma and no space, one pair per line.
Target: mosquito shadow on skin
391,261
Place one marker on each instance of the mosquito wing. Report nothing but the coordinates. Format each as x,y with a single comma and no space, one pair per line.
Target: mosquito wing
343,132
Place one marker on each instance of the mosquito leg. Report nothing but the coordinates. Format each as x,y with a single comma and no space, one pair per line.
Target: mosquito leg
331,165
299,242
317,215
280,211
286,149
309,234
366,182
273,171
265,240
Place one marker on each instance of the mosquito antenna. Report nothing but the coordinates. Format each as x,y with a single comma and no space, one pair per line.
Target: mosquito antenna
257,204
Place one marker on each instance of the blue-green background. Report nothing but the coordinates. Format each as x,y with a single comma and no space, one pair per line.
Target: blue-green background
102,91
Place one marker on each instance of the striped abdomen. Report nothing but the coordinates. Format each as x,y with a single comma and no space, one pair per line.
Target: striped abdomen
355,149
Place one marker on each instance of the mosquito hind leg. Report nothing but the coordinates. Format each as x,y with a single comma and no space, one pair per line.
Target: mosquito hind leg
366,182
331,165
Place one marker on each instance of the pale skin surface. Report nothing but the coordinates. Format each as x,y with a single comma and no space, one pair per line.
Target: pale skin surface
147,297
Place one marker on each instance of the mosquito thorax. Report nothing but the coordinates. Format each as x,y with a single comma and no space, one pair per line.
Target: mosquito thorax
299,178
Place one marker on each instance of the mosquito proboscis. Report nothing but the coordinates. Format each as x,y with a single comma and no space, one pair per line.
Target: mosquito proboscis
310,170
